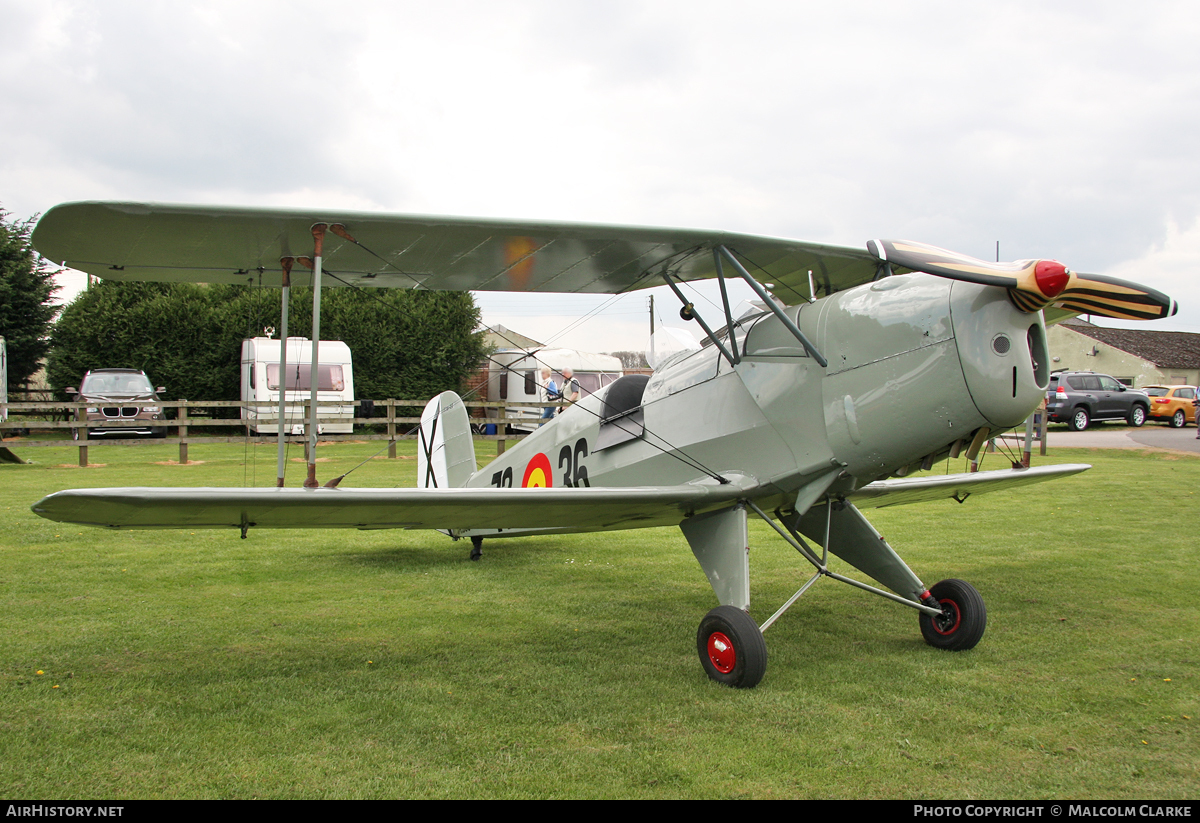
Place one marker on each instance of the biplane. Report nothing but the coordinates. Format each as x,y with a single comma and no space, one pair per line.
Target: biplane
856,369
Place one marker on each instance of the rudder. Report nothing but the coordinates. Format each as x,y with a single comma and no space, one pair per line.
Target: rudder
445,449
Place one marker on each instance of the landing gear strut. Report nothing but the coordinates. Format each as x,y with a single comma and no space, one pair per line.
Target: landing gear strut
730,644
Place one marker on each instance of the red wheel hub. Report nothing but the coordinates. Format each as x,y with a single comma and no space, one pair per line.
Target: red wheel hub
721,653
950,618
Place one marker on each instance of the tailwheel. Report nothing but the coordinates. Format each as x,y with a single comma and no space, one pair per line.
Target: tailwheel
732,649
962,621
476,547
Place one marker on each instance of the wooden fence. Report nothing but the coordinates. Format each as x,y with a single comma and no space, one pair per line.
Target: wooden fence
192,414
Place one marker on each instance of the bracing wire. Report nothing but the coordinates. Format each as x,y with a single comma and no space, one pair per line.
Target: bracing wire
671,450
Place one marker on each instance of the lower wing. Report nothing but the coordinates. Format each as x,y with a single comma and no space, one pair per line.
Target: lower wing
956,486
583,509
557,509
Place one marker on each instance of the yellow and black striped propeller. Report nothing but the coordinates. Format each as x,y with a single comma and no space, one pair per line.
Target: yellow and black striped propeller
1033,284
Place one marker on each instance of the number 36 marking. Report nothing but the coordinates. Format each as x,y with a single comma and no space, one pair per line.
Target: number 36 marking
570,464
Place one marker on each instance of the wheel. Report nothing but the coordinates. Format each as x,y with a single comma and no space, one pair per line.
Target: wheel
1178,419
476,548
732,649
1137,416
1079,420
963,617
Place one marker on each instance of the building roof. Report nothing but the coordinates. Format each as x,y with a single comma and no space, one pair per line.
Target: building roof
1165,349
499,337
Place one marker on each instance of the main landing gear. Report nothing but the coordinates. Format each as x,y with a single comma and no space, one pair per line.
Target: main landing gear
962,621
730,644
732,649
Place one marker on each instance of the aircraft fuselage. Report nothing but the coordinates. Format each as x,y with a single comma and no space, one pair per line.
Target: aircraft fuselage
916,362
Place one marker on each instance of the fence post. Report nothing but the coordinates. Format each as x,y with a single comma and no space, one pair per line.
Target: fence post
391,418
83,437
183,416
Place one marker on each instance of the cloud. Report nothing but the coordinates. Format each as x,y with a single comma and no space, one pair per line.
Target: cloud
1063,130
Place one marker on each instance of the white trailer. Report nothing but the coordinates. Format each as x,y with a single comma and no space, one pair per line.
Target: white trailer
516,374
261,385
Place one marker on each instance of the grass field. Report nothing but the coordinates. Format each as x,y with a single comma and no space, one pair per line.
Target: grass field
384,664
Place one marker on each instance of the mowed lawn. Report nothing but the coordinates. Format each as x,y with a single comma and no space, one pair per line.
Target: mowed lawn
181,664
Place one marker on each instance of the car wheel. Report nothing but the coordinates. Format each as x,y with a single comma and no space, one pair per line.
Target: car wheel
1137,416
1079,420
1178,419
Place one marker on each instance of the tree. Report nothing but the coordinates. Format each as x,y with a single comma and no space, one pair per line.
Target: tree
632,359
25,291
406,344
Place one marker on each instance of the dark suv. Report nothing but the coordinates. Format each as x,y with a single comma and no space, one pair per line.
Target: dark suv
1079,397
120,395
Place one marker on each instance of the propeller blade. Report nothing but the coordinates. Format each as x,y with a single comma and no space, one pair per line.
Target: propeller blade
1110,297
1032,284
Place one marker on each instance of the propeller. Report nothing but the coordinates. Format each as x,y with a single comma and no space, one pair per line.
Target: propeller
1033,284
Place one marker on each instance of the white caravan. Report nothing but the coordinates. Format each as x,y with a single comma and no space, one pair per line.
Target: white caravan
516,374
260,385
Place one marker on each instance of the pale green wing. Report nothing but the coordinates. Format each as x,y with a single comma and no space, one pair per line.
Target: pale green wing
900,491
556,509
212,244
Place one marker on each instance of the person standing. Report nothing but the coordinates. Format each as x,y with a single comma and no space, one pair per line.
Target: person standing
570,387
552,393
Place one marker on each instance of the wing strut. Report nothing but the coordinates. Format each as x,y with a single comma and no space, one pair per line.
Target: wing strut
732,354
286,264
688,312
314,379
773,306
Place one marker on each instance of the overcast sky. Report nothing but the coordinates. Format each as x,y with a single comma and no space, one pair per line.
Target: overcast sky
1065,130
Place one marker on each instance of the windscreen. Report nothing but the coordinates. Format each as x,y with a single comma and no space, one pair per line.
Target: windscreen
116,384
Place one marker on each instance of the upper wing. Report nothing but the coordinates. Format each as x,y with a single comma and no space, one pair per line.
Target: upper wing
211,244
556,509
904,490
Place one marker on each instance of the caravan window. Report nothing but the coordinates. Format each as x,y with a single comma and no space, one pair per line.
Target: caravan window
530,386
329,377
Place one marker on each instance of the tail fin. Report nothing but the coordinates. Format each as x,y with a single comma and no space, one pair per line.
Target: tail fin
445,451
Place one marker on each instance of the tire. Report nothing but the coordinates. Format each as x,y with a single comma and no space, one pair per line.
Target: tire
1137,416
1079,420
1178,420
964,617
732,650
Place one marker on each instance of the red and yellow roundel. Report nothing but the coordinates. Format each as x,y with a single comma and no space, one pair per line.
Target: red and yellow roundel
537,473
